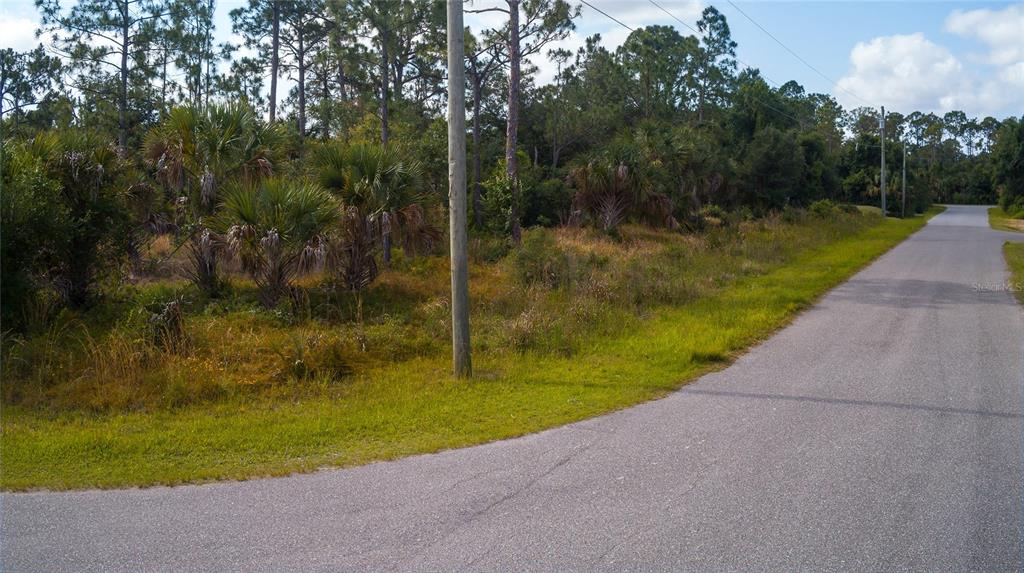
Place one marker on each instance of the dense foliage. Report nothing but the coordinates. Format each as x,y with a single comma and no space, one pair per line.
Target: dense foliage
141,130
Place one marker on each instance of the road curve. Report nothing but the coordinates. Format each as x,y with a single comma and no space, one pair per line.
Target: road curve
880,431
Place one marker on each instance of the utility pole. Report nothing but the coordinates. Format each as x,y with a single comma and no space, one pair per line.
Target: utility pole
457,190
903,207
881,179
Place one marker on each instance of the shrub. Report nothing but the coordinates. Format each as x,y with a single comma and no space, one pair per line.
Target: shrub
616,184
713,215
824,208
79,185
498,202
539,260
31,215
791,214
547,203
194,155
168,324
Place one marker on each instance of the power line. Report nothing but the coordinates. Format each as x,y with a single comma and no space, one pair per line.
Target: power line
758,100
795,55
607,15
697,32
673,16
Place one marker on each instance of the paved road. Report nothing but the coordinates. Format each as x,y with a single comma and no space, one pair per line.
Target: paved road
881,431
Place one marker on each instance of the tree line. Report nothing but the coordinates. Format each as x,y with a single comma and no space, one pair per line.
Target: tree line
666,129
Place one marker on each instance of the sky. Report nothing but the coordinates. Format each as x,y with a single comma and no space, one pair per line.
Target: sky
912,55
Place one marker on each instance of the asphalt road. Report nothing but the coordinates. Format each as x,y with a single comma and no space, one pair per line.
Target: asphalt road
881,431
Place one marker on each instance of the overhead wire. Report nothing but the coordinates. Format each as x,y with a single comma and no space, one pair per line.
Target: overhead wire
699,33
795,55
749,67
607,15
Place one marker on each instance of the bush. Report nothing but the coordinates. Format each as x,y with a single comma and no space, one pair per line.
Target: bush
547,203
713,215
540,261
31,215
74,186
1015,209
824,208
497,202
791,214
745,213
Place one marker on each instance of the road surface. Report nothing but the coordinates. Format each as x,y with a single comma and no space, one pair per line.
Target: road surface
881,431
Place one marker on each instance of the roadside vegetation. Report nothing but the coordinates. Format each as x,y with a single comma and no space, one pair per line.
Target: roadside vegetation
572,325
1000,220
204,278
1014,253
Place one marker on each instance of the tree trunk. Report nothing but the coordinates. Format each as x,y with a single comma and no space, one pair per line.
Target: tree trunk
397,82
512,131
122,105
703,91
385,232
163,83
342,90
384,90
302,86
478,208
206,88
327,116
275,59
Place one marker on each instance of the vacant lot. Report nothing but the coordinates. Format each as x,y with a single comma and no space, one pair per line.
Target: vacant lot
571,325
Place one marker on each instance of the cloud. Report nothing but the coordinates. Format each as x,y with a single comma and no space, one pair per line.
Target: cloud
909,72
18,32
1001,30
903,72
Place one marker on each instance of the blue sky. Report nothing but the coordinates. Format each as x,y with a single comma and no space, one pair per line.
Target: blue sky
932,56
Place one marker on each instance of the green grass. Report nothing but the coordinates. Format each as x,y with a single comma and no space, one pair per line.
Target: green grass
1014,253
415,406
1000,220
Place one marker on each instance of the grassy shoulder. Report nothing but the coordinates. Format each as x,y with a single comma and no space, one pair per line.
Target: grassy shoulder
555,350
1000,220
1014,253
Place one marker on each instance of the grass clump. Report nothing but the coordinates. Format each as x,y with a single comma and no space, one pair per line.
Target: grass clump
1014,254
1000,220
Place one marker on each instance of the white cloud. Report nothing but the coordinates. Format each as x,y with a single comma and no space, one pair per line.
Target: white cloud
1001,30
910,72
1014,75
18,32
901,72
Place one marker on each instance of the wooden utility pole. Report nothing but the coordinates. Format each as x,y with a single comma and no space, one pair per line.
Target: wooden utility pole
457,190
512,126
903,206
882,178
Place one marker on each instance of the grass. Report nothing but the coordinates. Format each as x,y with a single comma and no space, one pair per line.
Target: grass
564,330
1000,220
1014,253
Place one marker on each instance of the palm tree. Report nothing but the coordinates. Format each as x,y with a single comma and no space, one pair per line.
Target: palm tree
616,183
194,152
278,229
383,188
